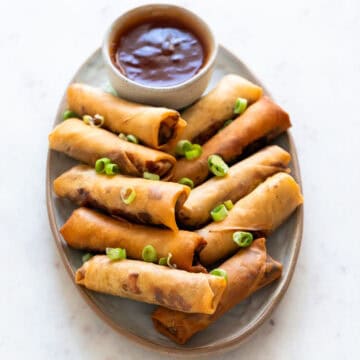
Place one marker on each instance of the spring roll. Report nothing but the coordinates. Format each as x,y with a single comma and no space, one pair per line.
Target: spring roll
261,211
155,201
85,143
247,271
259,124
154,284
241,179
89,230
156,127
208,114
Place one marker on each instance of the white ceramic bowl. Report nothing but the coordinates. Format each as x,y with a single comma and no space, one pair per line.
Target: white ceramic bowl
176,96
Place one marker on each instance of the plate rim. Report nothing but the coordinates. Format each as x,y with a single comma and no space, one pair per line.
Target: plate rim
253,326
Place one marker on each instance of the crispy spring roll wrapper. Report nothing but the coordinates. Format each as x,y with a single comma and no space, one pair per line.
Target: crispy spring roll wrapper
156,127
208,115
153,284
155,201
261,211
241,179
248,270
85,143
259,124
87,229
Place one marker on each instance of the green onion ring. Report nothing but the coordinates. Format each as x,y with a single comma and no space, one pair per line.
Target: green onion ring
116,253
240,105
243,238
128,195
163,261
150,176
149,254
228,204
101,164
186,181
219,272
217,165
132,138
111,169
122,136
227,122
182,146
194,152
68,114
219,213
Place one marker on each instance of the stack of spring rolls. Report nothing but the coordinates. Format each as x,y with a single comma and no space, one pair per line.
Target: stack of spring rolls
171,217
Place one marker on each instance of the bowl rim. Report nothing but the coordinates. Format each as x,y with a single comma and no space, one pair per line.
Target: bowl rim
205,349
202,72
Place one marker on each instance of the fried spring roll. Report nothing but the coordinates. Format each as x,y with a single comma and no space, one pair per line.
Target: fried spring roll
247,271
261,211
85,143
241,179
154,284
89,230
155,126
208,114
260,123
155,201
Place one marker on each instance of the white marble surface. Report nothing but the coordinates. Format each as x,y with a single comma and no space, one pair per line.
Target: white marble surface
306,52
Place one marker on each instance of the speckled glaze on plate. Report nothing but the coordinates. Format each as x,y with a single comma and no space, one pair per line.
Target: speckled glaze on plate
133,319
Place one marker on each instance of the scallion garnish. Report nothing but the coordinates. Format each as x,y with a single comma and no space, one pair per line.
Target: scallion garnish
227,122
240,105
217,165
68,114
219,272
122,136
194,152
219,213
111,169
182,146
149,254
132,138
243,238
116,253
128,195
186,181
101,164
228,204
150,176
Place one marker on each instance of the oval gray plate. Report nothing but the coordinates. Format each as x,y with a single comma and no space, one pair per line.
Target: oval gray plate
133,319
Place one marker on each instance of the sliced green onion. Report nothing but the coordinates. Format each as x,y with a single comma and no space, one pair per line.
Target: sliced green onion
163,261
182,146
243,238
101,164
217,165
168,261
68,114
132,138
111,169
88,120
96,121
227,122
149,254
240,105
219,213
122,136
128,195
194,152
116,253
228,204
219,272
86,257
151,176
186,181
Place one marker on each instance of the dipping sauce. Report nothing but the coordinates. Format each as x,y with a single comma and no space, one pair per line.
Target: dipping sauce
158,53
